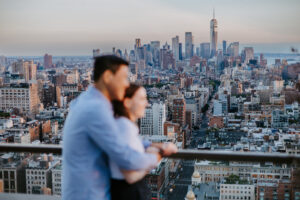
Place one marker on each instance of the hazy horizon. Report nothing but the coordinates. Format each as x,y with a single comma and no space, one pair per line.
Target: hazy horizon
34,27
258,48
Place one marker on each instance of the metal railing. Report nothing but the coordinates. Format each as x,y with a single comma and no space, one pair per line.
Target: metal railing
181,154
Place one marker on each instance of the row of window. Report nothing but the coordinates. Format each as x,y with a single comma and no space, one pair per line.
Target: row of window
10,185
236,197
35,177
287,171
235,187
235,191
36,172
6,174
36,182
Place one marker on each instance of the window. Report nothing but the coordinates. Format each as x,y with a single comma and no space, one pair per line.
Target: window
12,184
12,175
5,174
6,184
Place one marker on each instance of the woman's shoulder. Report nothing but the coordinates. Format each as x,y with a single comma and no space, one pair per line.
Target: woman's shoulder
124,124
123,120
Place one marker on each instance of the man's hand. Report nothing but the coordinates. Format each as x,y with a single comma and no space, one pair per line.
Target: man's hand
168,148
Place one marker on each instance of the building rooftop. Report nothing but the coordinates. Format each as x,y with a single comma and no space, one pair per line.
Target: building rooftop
11,196
206,191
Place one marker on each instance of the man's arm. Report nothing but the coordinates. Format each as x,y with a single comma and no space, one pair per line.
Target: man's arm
103,130
133,176
167,148
146,143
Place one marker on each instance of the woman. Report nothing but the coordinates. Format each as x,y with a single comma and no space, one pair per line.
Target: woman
130,184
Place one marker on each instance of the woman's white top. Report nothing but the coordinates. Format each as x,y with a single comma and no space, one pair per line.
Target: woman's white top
130,135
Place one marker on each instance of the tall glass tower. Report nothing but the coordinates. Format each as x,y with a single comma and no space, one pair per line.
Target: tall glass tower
189,47
213,35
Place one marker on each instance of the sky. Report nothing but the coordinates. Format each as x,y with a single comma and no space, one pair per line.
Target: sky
75,27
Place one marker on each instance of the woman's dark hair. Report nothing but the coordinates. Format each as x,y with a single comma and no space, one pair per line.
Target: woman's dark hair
107,62
118,106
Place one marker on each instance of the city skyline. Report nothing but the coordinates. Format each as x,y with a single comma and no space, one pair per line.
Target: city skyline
224,90
34,28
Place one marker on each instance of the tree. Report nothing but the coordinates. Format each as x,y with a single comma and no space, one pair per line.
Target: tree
232,179
4,114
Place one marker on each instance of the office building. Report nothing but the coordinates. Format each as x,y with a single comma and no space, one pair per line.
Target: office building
47,61
179,109
22,96
247,54
233,49
189,47
175,47
205,50
25,69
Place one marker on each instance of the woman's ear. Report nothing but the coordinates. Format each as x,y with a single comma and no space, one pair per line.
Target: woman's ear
126,103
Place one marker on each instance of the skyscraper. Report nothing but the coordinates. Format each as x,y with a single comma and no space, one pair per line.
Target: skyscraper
126,56
32,71
26,69
167,59
224,47
189,45
233,49
205,50
166,46
138,48
198,51
180,51
47,61
213,35
137,43
155,47
175,47
247,54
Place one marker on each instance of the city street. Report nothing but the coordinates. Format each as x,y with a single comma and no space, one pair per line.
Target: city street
180,184
182,181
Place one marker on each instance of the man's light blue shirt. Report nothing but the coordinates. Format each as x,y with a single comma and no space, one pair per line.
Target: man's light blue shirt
90,135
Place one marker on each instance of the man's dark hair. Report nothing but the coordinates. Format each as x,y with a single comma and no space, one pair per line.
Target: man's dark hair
107,62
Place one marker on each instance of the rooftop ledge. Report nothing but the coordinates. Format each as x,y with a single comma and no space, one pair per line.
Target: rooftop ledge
15,196
181,154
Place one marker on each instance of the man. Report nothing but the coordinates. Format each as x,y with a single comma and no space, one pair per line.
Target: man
90,135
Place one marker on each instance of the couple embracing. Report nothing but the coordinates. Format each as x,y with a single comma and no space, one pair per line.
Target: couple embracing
103,157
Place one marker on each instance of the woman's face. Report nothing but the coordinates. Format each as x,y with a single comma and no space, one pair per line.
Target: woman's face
137,103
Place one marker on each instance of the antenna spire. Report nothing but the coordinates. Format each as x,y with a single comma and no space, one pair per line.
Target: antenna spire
214,13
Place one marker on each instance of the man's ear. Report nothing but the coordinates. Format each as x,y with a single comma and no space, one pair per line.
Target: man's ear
107,76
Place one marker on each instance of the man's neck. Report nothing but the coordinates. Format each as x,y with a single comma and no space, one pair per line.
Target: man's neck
103,90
